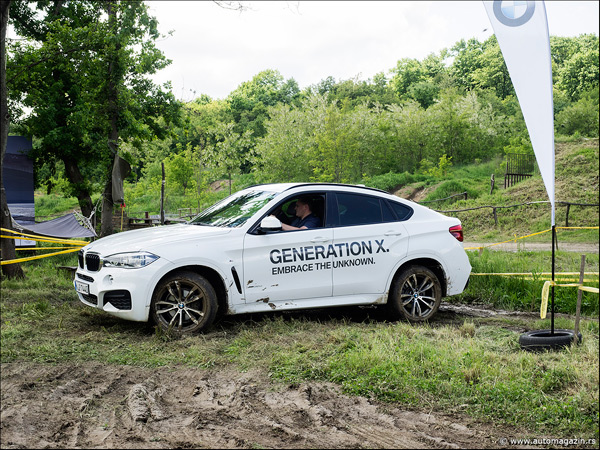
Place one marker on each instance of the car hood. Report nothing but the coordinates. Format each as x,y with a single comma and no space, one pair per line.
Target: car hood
153,239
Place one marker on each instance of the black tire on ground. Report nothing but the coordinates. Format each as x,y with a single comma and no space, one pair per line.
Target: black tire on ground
416,294
184,302
540,340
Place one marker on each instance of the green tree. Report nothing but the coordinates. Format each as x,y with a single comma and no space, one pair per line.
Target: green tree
580,117
248,103
466,57
424,92
8,245
408,71
92,92
283,154
180,169
230,151
134,107
492,72
580,72
43,76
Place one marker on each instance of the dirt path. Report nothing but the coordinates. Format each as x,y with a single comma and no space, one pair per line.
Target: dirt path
535,246
101,406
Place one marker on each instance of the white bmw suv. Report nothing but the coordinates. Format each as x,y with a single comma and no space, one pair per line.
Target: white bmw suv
368,248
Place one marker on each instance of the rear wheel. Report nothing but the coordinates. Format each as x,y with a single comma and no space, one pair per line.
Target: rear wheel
184,302
416,294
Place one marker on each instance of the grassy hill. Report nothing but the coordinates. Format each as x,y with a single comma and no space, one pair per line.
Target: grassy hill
576,181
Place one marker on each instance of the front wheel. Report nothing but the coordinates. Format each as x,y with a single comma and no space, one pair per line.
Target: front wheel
416,294
184,302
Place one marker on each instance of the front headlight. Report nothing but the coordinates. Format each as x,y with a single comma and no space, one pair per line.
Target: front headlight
129,260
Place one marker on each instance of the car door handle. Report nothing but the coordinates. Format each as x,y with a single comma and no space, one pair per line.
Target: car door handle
319,239
393,233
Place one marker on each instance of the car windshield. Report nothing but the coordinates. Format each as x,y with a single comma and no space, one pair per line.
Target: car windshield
233,211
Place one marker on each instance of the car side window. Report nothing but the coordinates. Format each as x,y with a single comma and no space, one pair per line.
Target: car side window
355,209
402,212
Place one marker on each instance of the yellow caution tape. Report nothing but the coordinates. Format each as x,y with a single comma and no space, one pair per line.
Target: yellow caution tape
31,258
546,289
506,242
42,238
529,235
42,248
79,243
541,273
72,245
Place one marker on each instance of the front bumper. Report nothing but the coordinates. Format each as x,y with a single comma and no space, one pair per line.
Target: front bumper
124,293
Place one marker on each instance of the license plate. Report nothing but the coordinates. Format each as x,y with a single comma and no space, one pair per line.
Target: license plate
82,288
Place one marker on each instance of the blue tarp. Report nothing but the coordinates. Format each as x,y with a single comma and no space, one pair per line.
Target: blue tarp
64,227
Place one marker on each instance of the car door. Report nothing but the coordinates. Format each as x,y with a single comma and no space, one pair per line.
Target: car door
369,240
287,265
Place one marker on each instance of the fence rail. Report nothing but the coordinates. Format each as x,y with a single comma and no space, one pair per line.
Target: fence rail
495,208
462,194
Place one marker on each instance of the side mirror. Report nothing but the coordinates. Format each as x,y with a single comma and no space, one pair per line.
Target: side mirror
270,224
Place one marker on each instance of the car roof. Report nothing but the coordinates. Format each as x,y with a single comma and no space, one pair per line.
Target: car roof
281,187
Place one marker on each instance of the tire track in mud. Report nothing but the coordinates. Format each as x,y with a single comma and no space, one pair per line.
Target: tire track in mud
101,406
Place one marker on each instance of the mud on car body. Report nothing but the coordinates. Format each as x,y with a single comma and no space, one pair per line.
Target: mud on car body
371,248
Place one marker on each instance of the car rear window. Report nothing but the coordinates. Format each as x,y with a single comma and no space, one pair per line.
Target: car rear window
402,212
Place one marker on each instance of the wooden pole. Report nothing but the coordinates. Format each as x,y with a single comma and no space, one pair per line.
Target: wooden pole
579,295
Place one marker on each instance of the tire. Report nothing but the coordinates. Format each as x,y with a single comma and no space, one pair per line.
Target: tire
184,302
416,294
539,340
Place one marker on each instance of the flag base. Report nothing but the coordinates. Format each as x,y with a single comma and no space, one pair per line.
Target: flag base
540,340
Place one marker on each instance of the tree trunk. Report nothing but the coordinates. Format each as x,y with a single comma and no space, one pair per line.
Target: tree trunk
76,178
106,227
8,245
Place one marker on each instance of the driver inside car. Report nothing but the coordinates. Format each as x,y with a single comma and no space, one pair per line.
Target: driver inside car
305,218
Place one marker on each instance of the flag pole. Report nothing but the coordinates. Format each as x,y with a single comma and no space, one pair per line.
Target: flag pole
553,268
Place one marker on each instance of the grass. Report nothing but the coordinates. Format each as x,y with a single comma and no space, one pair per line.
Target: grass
521,294
467,366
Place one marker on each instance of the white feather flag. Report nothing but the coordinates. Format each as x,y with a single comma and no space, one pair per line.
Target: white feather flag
521,29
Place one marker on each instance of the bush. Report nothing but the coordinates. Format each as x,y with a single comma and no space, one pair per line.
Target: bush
579,118
392,181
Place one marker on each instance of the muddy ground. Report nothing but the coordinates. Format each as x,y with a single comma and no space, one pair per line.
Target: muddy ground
92,405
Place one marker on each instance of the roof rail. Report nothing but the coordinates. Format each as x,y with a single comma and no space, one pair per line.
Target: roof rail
361,186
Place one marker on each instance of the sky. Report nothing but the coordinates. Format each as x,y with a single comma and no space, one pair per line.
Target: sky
214,49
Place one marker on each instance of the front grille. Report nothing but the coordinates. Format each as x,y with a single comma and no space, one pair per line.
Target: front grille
119,299
92,261
90,298
80,258
85,277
